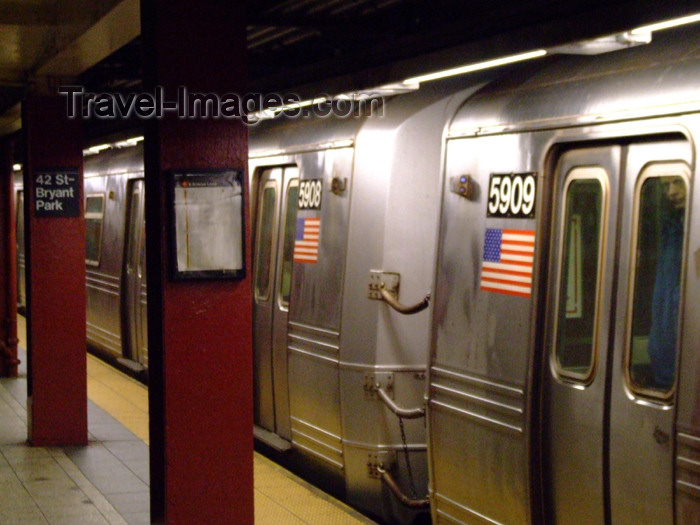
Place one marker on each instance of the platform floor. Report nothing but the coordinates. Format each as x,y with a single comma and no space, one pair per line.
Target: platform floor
106,482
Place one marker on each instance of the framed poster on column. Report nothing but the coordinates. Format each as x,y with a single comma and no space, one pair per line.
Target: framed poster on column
206,224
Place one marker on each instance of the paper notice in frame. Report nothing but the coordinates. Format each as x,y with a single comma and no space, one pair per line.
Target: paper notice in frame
207,224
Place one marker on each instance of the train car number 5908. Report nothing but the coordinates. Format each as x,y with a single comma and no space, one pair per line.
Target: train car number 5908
512,195
310,194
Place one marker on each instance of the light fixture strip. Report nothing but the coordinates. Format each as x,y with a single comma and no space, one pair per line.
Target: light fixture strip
691,19
414,82
470,68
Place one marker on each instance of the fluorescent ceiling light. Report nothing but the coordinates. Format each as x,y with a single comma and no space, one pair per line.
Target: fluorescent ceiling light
691,19
297,105
304,103
640,35
271,112
94,150
476,67
133,141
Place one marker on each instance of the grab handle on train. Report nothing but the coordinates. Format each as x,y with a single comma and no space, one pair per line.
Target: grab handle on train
389,481
391,301
407,413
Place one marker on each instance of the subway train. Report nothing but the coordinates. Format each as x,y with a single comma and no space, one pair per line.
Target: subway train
474,303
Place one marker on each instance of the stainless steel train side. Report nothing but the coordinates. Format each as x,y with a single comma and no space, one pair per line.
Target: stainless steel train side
335,343
19,228
115,255
564,379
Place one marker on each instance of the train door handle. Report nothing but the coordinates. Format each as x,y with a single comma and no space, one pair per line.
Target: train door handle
660,436
414,309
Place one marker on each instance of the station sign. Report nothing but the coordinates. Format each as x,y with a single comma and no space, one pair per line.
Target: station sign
57,193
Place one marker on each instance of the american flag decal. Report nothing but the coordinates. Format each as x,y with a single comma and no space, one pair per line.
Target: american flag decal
508,261
306,240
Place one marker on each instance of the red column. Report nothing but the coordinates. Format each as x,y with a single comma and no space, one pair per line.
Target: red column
200,332
55,249
8,265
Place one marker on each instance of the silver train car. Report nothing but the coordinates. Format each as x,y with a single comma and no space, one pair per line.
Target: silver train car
346,216
19,240
564,379
475,304
115,255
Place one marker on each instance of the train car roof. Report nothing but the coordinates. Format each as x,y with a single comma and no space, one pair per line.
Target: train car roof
114,161
569,90
298,133
284,135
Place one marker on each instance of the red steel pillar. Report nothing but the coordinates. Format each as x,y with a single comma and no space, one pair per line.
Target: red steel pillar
55,250
200,331
8,264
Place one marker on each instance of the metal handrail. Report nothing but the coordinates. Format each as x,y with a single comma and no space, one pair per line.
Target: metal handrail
391,301
406,413
405,500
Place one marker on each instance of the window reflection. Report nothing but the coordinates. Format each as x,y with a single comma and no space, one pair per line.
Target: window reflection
263,253
575,347
290,228
94,216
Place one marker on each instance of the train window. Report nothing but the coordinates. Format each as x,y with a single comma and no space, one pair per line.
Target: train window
653,325
290,228
576,327
265,230
94,217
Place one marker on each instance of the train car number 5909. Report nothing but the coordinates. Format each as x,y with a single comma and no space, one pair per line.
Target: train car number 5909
512,195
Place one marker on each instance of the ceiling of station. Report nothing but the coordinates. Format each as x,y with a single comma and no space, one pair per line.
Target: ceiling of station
311,46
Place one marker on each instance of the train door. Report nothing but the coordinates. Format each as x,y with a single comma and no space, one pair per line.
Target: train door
134,308
608,406
277,191
21,259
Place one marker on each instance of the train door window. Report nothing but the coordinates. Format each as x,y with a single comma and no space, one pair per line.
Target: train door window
582,231
94,217
657,252
265,231
135,226
290,224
